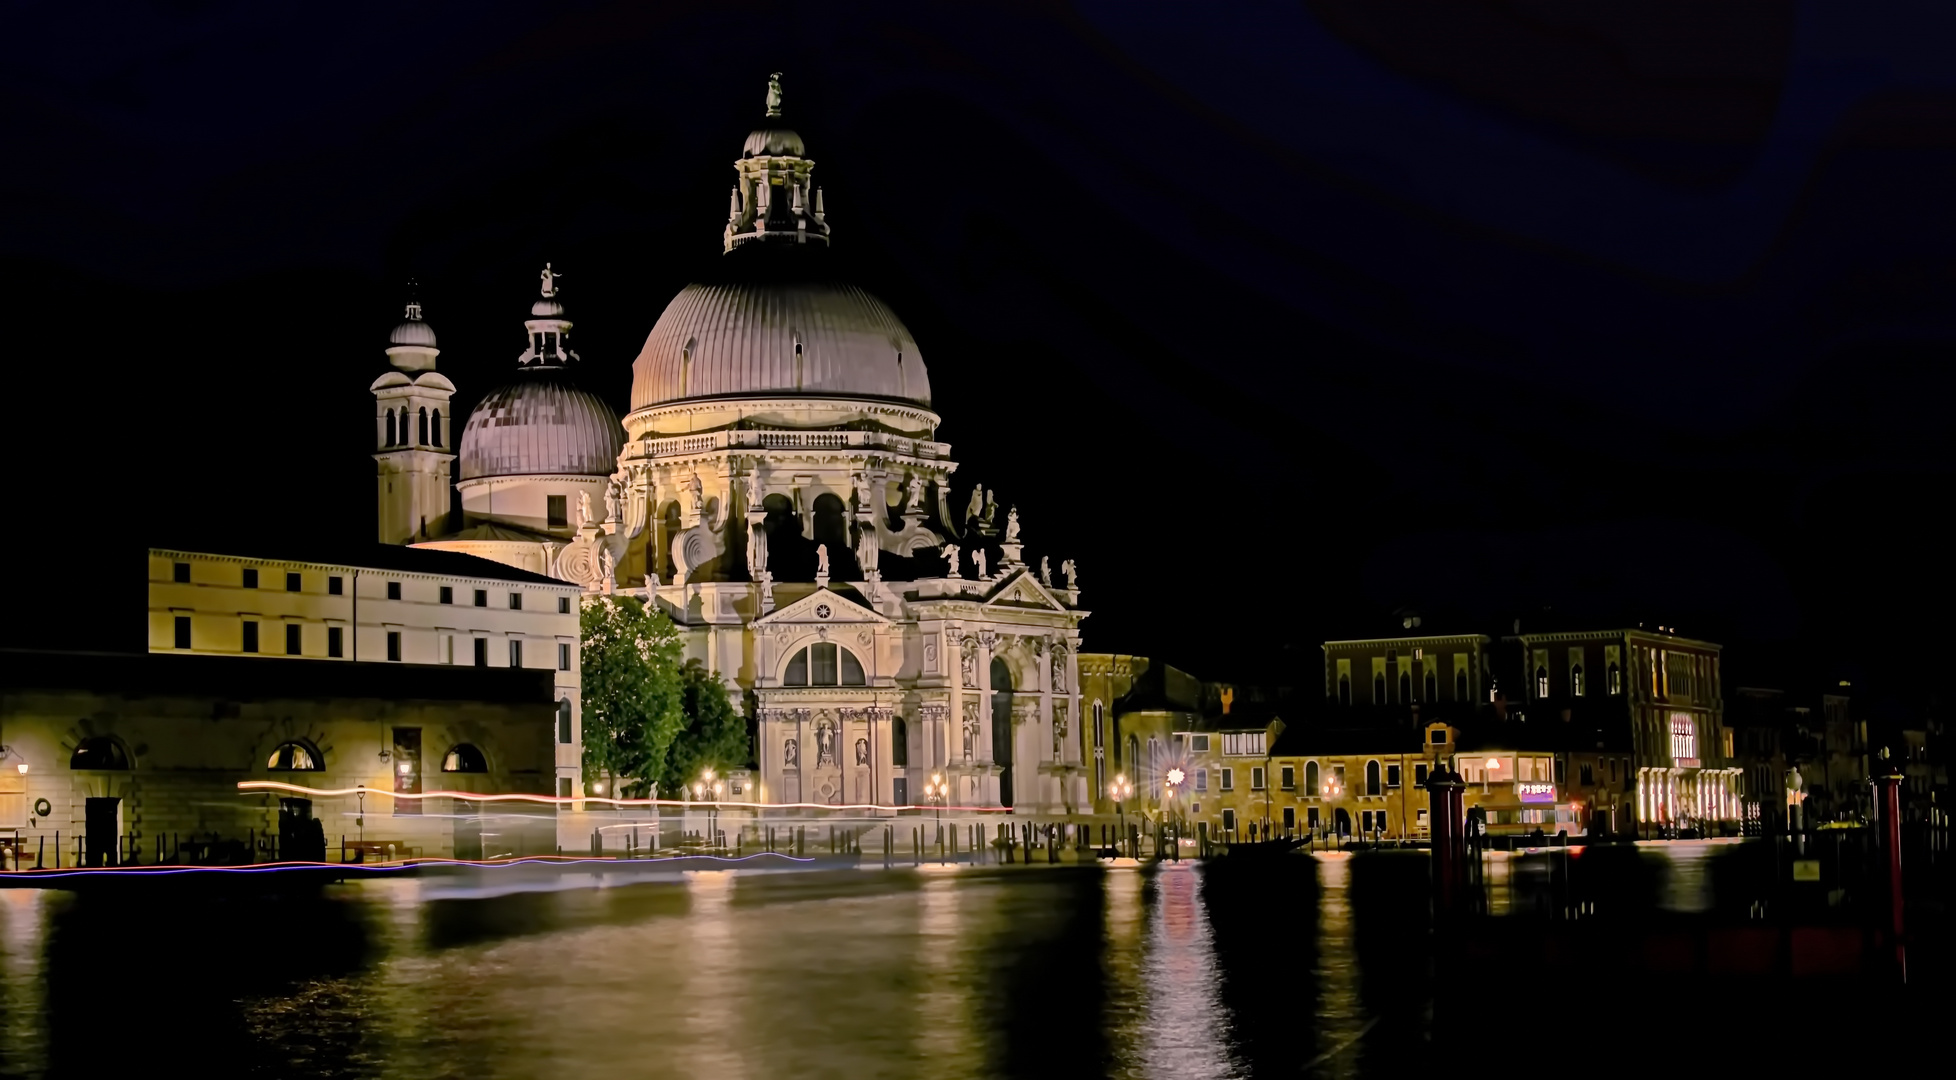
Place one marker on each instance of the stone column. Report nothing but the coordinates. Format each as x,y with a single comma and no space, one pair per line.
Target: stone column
953,747
982,750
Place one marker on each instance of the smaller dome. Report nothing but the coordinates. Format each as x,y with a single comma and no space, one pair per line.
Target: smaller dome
773,142
547,308
540,423
412,332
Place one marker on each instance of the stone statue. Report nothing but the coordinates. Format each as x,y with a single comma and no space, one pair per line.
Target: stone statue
968,662
916,502
791,754
862,751
1072,575
978,560
1045,572
583,508
550,280
860,484
951,566
991,511
977,504
606,568
1012,525
774,94
970,728
824,743
756,550
698,491
1059,670
613,495
821,560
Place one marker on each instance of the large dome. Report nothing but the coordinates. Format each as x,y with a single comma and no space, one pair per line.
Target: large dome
735,335
541,423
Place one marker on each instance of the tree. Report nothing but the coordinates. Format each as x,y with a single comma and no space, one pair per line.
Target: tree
631,679
715,733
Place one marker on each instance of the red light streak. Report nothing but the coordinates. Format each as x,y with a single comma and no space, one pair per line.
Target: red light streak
559,800
399,864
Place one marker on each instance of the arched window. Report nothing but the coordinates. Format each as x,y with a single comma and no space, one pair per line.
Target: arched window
899,743
390,428
1432,686
464,758
1616,679
1371,778
1311,779
1133,762
1344,689
1541,682
564,721
1575,680
434,428
1378,690
295,756
100,752
1460,686
422,427
1405,686
824,664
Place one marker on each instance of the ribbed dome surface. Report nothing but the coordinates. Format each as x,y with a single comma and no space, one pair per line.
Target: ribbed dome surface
541,423
773,142
736,336
412,332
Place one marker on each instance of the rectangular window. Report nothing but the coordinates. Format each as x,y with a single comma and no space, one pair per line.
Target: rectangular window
564,722
250,636
1229,821
1421,819
563,787
1561,770
1586,774
1311,817
393,590
1437,736
1684,739
1612,770
180,573
481,652
447,594
1392,776
1229,779
1287,777
335,585
1290,819
250,578
183,631
1365,822
394,645
1256,778
516,652
482,598
1201,779
516,601
292,639
563,605
335,641
557,509
1243,743
1199,744
293,582
563,656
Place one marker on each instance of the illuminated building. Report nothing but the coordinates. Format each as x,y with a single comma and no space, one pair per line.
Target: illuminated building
375,604
141,749
777,488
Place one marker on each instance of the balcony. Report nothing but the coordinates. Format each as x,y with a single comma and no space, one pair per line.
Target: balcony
709,442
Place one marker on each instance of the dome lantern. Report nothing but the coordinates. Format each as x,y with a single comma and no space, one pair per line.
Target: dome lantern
776,200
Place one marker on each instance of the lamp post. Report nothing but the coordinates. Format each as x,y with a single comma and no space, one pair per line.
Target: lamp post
706,785
1330,790
1121,790
1170,785
937,791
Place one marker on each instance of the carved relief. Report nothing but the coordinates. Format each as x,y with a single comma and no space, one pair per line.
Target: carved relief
862,752
1059,731
824,742
791,754
970,728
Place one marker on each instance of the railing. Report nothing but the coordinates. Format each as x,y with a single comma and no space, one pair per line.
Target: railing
790,440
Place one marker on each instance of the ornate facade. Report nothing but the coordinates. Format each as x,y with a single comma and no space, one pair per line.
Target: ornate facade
777,488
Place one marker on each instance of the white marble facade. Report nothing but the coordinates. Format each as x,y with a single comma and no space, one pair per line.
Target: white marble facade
780,493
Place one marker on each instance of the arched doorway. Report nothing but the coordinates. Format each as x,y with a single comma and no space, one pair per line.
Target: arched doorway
1341,819
1002,728
832,531
459,766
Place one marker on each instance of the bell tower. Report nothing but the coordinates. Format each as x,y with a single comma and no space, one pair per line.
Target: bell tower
414,435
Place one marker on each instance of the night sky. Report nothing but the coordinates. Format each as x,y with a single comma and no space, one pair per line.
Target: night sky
1280,318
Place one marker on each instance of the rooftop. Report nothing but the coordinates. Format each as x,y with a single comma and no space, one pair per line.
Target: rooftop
242,678
374,556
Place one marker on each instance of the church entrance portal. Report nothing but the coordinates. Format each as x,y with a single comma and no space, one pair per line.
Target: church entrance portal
1002,728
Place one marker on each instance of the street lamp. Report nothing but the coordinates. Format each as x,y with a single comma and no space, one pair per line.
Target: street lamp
1172,783
937,791
1331,790
706,785
1121,790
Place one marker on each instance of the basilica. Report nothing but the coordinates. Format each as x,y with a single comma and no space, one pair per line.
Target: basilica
778,490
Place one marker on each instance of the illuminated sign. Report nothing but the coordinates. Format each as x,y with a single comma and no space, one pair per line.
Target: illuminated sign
1535,791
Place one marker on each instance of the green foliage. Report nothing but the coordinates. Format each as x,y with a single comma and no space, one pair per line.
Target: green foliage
715,735
632,690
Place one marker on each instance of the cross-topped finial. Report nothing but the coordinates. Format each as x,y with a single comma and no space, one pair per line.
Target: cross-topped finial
414,299
550,280
774,94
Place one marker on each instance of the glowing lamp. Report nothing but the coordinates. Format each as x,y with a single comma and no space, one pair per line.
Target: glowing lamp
1493,763
1176,776
406,768
22,767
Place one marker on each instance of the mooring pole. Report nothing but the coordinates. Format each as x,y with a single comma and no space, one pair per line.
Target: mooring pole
1888,788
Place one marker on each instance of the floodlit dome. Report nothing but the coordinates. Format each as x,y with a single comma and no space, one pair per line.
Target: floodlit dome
541,423
411,330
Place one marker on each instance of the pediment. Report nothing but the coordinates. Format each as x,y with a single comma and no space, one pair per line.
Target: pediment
823,607
1023,591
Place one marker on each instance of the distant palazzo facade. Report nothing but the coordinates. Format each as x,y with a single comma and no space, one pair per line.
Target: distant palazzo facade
401,606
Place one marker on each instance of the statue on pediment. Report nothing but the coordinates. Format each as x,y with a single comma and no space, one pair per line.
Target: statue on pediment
951,566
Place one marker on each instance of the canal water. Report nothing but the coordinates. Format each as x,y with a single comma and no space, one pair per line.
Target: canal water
1186,972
